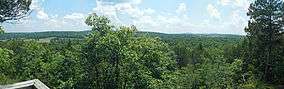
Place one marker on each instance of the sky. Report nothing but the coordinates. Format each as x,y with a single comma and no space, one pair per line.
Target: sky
166,16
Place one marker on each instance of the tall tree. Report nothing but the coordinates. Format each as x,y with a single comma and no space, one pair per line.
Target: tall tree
114,58
263,32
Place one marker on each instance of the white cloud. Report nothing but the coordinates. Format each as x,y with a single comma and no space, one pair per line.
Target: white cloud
240,4
237,16
136,1
48,22
42,15
149,11
182,8
144,19
224,2
213,11
35,4
74,16
114,10
238,21
129,12
105,9
243,4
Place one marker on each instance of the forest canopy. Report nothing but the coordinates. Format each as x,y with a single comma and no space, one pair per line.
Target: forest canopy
120,57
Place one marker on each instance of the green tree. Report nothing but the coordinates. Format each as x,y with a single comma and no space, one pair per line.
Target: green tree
182,55
116,58
213,73
198,54
1,30
263,33
6,66
29,59
63,70
10,10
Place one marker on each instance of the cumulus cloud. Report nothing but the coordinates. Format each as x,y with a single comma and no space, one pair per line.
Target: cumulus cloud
144,19
243,4
224,2
126,12
35,4
74,16
238,19
136,1
130,12
213,11
49,22
40,13
116,10
149,11
240,4
182,8
165,22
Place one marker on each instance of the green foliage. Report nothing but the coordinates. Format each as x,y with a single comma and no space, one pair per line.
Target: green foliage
183,56
211,74
4,57
5,64
30,60
42,35
116,58
254,83
1,30
264,35
64,70
144,61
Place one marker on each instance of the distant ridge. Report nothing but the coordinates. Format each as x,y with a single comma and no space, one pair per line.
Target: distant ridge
82,34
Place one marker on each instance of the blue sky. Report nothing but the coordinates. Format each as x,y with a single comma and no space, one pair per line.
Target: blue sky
167,16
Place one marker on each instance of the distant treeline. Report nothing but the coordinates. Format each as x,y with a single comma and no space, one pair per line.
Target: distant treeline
82,34
40,35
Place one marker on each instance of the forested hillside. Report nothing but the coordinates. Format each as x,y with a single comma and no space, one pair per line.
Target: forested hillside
121,57
42,35
151,60
82,34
